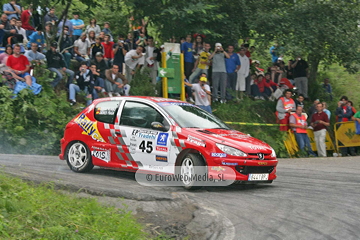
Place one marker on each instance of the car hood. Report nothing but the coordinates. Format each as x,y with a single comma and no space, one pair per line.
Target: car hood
235,139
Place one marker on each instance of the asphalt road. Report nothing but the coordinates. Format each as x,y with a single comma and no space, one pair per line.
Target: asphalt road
315,198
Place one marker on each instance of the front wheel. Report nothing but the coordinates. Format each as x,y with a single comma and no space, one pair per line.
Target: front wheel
78,157
191,166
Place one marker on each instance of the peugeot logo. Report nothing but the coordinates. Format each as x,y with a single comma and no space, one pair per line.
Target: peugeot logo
261,156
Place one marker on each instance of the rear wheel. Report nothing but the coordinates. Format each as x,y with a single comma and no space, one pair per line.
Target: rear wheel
192,165
78,157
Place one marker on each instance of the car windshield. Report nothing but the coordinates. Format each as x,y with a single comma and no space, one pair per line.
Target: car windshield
190,116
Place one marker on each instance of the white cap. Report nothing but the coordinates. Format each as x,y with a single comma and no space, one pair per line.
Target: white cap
280,58
218,45
162,46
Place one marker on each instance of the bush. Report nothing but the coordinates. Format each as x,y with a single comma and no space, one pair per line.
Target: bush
34,124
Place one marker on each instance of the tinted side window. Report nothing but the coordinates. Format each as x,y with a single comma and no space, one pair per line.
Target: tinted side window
139,115
106,111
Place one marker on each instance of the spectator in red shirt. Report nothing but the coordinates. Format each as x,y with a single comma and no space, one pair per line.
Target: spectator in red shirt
26,21
108,49
20,65
258,87
270,86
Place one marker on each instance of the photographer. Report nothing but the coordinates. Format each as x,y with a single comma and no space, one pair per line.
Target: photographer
219,76
84,82
319,121
201,91
120,49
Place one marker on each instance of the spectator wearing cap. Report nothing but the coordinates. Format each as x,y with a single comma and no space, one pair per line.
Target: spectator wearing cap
116,83
56,63
120,49
108,50
201,91
96,47
82,49
187,50
219,76
38,38
100,63
51,17
134,59
19,65
33,55
11,9
78,25
26,21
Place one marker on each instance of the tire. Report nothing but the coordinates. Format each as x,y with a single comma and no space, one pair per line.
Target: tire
187,171
78,157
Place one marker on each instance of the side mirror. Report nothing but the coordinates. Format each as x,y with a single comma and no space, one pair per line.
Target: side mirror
158,126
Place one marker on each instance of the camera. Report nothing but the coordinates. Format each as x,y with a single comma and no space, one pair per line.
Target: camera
122,41
341,102
299,59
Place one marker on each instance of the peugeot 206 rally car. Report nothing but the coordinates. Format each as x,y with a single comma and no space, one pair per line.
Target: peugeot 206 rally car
154,134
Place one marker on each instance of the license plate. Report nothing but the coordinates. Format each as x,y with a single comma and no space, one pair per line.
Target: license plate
258,177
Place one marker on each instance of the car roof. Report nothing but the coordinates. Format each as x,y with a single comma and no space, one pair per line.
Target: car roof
152,99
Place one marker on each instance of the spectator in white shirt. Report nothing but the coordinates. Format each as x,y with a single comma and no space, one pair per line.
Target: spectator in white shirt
134,59
21,31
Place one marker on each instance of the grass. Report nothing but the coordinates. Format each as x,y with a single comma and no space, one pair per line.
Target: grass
40,212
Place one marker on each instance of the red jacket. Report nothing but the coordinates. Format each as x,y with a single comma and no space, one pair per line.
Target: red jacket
261,85
26,19
108,50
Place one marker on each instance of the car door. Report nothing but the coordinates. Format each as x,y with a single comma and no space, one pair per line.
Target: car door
104,152
149,148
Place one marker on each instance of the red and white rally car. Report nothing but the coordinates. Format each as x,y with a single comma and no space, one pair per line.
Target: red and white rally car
151,134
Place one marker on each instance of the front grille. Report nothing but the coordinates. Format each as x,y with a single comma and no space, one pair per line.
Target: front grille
255,156
254,169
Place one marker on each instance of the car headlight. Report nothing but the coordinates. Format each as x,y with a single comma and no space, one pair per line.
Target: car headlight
273,153
231,151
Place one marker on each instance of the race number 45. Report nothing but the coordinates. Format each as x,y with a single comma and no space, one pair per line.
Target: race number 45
146,147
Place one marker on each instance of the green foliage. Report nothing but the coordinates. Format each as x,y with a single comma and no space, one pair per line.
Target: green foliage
34,124
141,84
40,212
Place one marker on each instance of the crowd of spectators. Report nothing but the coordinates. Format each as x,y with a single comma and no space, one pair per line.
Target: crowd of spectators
107,64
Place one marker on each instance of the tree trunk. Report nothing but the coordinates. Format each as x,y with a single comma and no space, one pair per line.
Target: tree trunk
314,61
